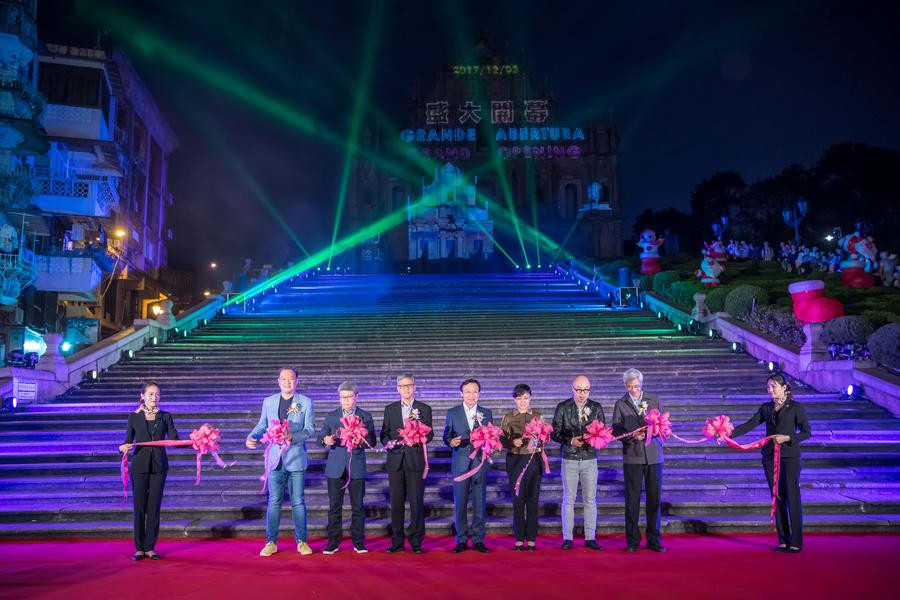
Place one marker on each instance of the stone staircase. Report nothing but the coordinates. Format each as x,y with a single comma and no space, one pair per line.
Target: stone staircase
59,473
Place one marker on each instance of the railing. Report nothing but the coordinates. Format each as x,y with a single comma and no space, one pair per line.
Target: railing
16,188
78,186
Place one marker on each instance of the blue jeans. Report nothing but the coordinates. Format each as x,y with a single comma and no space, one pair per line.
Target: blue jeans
277,480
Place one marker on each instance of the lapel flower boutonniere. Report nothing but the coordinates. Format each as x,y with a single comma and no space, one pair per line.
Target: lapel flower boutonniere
414,415
585,412
294,409
643,408
479,416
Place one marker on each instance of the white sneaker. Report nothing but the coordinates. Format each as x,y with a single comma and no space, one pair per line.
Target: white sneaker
269,549
329,550
304,549
360,549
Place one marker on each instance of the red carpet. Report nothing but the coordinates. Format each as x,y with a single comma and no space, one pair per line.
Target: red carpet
696,567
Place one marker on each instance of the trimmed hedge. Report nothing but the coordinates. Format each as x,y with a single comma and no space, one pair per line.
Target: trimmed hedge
743,298
715,298
682,292
879,318
662,281
851,329
779,324
884,346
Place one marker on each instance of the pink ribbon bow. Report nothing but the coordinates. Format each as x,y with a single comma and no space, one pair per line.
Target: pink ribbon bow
485,438
598,435
719,427
276,434
352,434
657,425
538,434
416,432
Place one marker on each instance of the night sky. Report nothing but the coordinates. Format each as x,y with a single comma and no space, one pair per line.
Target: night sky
694,86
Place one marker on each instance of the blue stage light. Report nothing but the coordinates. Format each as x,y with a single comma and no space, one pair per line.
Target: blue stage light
65,346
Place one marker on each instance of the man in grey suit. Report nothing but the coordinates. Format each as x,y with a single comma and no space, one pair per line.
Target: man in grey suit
462,420
643,464
286,465
336,470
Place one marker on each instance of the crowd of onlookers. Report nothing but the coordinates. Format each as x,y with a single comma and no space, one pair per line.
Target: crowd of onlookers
803,260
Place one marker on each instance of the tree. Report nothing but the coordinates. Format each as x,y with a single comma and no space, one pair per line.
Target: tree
717,196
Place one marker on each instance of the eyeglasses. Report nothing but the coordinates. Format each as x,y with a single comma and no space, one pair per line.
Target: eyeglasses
581,390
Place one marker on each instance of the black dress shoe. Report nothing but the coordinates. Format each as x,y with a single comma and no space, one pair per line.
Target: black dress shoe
395,548
154,556
656,548
418,550
780,548
531,547
480,547
794,550
458,548
592,545
138,556
519,548
566,545
631,549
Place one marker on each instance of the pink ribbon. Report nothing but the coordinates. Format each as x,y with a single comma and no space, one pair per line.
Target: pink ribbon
278,433
538,434
204,440
658,425
352,435
413,432
597,435
485,438
776,468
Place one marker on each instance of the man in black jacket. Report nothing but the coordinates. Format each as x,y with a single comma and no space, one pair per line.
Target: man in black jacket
406,466
642,462
579,460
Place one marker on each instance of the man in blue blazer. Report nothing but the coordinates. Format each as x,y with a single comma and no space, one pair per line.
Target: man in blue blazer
336,470
461,421
286,465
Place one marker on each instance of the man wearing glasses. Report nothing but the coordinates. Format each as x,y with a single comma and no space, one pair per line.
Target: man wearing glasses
579,460
406,466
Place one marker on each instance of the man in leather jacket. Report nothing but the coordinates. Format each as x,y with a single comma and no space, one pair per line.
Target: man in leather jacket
579,460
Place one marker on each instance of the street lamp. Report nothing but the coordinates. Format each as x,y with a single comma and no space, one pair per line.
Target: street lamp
793,216
213,265
719,229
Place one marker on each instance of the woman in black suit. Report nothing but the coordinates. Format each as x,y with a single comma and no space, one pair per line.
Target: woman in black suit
149,467
785,419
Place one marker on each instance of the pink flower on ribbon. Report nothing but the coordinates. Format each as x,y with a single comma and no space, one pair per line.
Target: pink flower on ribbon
658,425
414,432
719,427
277,433
206,439
353,432
487,439
538,431
598,435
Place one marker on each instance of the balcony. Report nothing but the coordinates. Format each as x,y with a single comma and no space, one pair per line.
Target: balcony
64,120
82,194
16,188
73,275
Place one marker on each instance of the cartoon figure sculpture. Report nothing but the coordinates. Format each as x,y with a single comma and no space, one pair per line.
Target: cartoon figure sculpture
853,270
649,246
716,250
810,303
709,271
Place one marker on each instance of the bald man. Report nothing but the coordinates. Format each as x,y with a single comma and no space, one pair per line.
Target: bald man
579,460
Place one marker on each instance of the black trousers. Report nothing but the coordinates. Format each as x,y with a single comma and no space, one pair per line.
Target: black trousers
147,489
651,478
357,489
525,505
407,485
788,509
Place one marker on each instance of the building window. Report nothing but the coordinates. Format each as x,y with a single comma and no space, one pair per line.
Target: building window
570,193
66,84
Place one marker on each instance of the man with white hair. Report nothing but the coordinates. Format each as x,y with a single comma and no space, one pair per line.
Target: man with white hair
642,462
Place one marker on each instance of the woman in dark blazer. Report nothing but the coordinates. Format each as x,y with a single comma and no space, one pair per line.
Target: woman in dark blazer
148,467
785,418
519,451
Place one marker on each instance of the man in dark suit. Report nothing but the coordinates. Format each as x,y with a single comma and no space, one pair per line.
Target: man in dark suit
461,421
340,465
642,463
405,466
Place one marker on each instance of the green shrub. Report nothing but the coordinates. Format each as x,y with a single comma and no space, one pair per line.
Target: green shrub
779,324
715,298
646,283
884,346
742,299
662,281
846,330
682,292
879,318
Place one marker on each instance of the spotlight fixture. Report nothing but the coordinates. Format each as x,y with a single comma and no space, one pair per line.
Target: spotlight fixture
9,404
659,315
154,340
90,376
854,391
680,328
65,346
773,367
737,347
712,333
